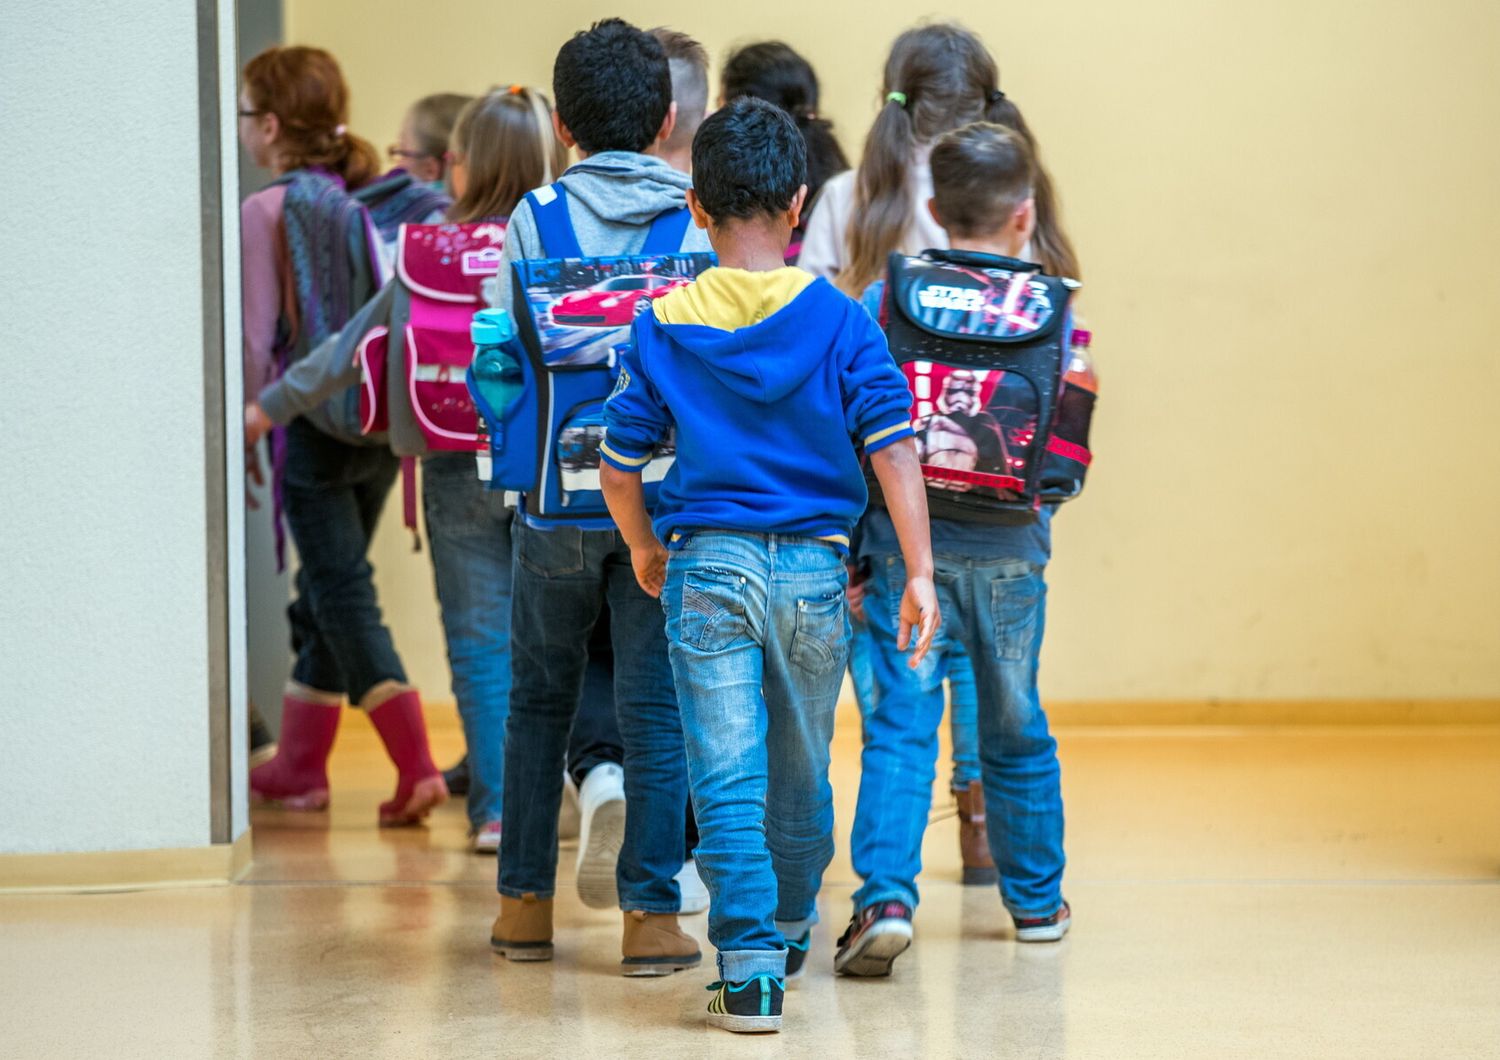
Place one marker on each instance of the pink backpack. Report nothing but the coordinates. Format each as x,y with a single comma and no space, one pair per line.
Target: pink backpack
442,268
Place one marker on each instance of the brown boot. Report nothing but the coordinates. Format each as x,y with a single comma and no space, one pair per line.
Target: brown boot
655,945
974,837
523,930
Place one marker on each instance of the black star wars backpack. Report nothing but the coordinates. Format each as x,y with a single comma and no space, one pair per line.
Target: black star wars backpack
1002,387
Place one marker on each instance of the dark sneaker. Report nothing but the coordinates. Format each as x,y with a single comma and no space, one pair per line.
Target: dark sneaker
1044,928
796,956
457,778
751,1007
876,936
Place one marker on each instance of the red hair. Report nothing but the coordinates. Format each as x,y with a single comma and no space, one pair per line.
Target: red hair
305,89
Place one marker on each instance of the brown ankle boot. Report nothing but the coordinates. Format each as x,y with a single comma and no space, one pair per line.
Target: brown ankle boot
523,930
974,837
655,945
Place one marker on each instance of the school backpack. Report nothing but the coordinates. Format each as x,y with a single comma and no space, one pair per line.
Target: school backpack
1001,413
441,267
393,200
542,371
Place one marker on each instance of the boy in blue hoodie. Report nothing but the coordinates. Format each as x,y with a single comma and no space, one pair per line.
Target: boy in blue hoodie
772,381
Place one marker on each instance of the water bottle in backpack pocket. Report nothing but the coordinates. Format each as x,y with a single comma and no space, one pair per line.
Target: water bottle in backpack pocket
500,380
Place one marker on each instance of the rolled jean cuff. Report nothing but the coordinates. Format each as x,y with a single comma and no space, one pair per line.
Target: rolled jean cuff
906,897
670,908
738,966
512,892
1032,914
795,929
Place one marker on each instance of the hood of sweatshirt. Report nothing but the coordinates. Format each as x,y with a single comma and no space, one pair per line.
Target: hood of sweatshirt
623,187
759,333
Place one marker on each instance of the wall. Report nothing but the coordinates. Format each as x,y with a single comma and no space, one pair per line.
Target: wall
104,649
1290,231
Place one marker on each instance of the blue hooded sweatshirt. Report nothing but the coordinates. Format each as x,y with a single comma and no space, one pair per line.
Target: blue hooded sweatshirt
773,381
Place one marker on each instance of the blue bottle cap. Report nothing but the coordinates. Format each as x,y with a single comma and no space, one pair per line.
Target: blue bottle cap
491,327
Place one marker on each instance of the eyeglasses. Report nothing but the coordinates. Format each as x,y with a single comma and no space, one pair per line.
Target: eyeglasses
399,153
251,113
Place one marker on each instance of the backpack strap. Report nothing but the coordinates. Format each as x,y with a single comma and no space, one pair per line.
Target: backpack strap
549,207
667,231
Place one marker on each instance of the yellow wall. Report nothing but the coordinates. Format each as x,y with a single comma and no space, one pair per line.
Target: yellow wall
1289,217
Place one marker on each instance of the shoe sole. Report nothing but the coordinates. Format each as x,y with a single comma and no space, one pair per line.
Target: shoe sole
980,877
522,951
650,967
426,796
745,1024
877,949
1050,933
313,801
603,837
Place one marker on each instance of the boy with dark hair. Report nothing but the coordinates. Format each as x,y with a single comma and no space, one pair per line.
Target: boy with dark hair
689,64
772,381
994,596
614,103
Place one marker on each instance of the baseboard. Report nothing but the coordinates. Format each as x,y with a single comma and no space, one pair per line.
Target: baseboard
115,870
1276,712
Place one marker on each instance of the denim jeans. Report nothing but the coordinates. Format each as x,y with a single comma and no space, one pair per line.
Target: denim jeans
963,702
759,632
333,496
995,609
563,578
468,529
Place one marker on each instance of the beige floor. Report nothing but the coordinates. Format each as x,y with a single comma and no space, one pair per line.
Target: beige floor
1238,893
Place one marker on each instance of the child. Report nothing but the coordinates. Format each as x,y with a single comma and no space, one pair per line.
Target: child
993,593
771,379
613,91
773,71
421,147
689,65
302,282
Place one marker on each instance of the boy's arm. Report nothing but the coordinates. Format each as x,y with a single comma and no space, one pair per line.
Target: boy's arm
900,478
626,497
635,420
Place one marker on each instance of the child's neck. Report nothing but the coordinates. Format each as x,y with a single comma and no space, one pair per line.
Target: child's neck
750,246
1004,244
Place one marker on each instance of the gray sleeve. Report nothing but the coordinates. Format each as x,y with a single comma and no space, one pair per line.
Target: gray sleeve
327,369
521,241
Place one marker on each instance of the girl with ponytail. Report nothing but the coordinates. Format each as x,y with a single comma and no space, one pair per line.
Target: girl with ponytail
773,71
937,78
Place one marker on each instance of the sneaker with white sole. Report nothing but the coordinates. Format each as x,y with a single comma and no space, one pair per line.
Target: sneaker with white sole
796,956
876,936
601,834
1044,928
751,1007
486,838
694,892
568,817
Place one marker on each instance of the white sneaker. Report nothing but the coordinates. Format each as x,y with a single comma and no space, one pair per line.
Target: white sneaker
486,838
568,817
601,800
694,893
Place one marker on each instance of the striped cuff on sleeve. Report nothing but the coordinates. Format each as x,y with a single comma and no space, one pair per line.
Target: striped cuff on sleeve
620,457
878,440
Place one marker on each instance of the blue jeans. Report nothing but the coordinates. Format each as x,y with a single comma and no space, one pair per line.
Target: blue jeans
468,528
563,578
996,610
334,493
759,633
963,701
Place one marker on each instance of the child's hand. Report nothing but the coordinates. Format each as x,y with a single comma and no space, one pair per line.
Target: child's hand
650,564
257,424
855,594
919,611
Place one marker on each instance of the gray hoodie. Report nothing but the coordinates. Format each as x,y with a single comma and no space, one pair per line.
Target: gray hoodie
612,199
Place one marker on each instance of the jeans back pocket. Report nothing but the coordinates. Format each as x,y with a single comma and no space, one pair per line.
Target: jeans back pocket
821,640
713,609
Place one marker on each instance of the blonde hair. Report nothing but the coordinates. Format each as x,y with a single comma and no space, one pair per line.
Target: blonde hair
506,141
432,121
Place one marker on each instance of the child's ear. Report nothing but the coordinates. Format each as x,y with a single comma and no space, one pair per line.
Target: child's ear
700,216
933,211
668,124
562,131
1023,221
794,212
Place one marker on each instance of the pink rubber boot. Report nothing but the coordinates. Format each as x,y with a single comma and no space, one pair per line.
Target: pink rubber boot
297,777
397,716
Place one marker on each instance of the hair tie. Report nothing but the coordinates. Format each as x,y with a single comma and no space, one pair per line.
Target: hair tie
516,90
339,130
995,96
899,98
